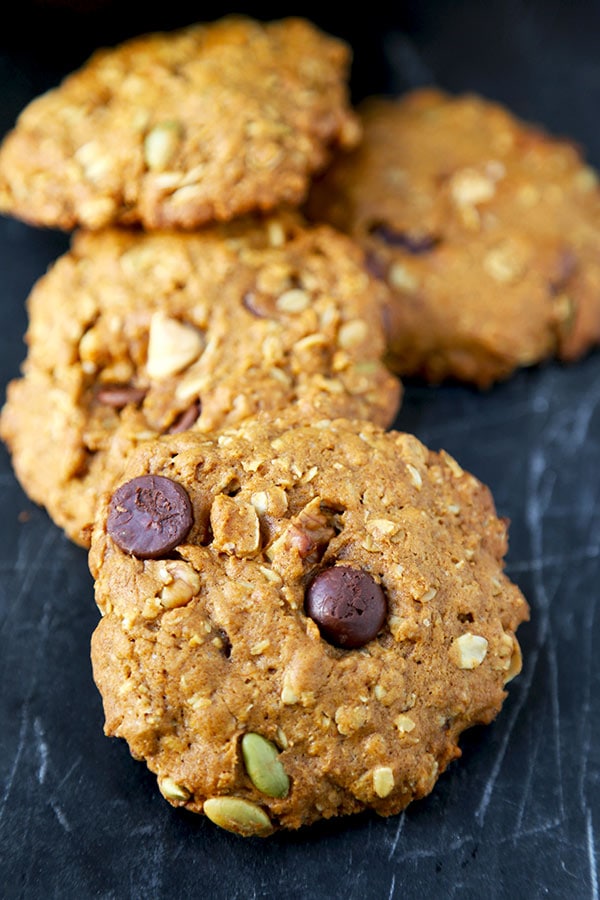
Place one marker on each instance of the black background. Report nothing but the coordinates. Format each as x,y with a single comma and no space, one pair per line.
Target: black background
518,815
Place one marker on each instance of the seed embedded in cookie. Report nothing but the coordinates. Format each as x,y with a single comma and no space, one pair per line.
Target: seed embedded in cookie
182,128
332,623
348,606
132,335
149,516
484,228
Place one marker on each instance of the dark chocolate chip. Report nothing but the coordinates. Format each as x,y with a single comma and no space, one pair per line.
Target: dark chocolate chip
186,419
120,395
149,516
412,243
376,266
348,606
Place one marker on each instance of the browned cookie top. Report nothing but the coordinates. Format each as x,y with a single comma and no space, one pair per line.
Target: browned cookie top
133,335
182,128
486,229
316,640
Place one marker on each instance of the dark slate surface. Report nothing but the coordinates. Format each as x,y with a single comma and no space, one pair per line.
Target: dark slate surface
517,816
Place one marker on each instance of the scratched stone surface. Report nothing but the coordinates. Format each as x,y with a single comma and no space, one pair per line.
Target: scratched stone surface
519,815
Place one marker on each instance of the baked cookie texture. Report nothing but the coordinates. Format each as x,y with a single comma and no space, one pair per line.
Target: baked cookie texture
131,335
182,128
485,228
215,660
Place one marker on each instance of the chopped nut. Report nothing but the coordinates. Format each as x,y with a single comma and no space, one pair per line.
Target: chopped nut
353,333
404,724
160,145
172,346
468,651
350,718
504,263
270,575
380,528
93,160
293,301
273,501
181,582
400,277
276,233
235,526
199,701
402,629
415,476
510,657
383,781
469,187
98,212
288,696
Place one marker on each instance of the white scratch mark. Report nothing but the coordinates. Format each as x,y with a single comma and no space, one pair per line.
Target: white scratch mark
591,848
401,821
17,759
42,748
489,787
60,815
68,773
31,573
392,887
586,706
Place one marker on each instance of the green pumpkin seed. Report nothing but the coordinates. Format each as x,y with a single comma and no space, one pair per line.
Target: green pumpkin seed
263,766
239,816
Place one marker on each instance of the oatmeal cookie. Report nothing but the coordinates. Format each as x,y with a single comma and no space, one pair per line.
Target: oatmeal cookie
182,128
486,229
133,334
299,620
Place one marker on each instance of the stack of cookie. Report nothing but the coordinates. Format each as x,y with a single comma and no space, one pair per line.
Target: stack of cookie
301,610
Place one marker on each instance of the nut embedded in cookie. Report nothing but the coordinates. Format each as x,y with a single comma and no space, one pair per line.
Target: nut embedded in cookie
484,228
330,663
132,335
179,129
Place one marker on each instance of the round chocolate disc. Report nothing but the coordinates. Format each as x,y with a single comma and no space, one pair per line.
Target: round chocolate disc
348,606
149,516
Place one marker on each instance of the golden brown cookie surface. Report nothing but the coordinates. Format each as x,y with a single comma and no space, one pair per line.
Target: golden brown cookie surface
133,335
225,663
486,230
182,128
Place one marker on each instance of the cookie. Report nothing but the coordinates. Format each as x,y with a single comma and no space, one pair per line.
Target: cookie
485,228
182,128
312,639
135,334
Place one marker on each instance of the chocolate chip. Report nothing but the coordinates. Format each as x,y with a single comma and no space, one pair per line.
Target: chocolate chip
119,395
412,243
149,516
376,266
186,419
348,606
